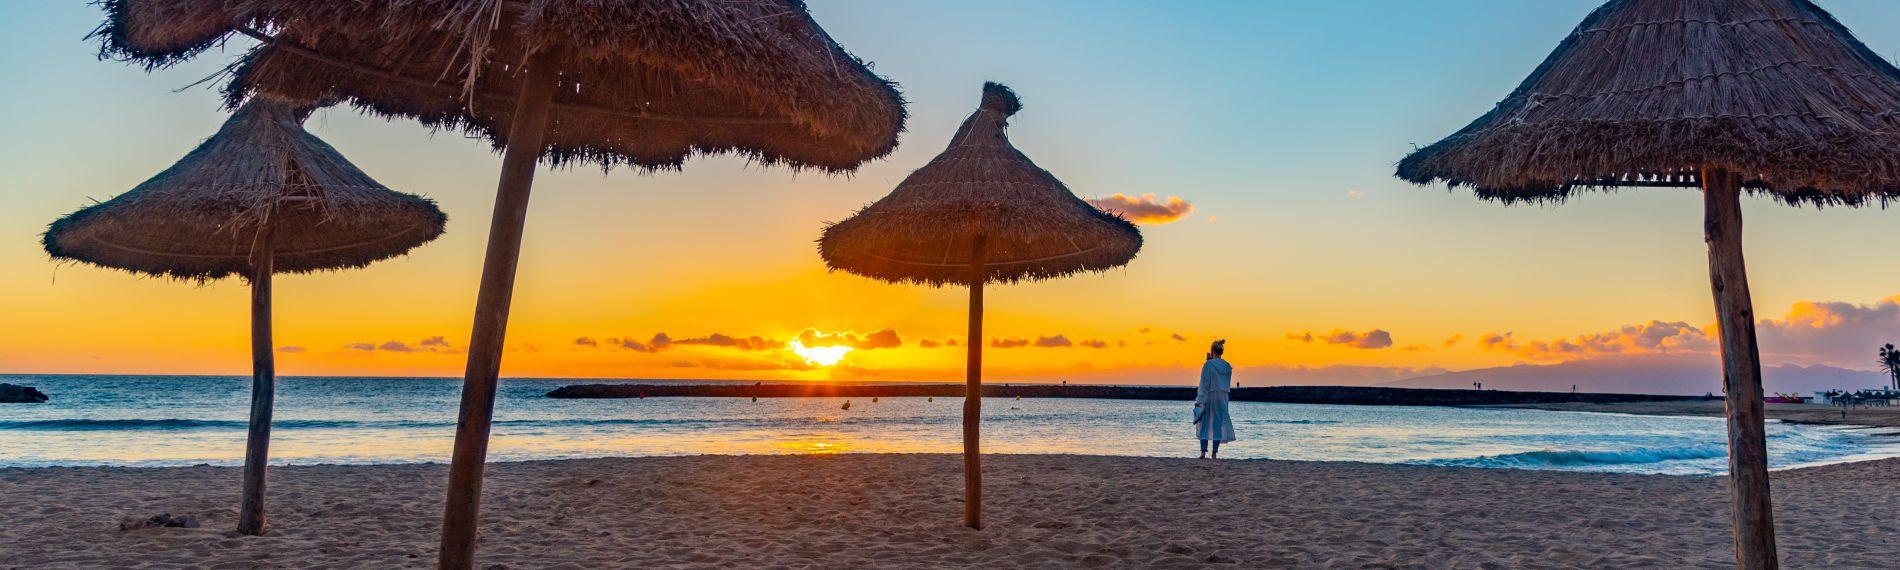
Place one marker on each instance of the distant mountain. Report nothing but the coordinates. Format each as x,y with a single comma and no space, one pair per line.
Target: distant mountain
1645,374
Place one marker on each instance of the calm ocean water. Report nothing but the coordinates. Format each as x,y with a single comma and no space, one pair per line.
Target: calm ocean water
158,420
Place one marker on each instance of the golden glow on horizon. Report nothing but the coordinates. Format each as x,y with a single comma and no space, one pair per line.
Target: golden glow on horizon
819,355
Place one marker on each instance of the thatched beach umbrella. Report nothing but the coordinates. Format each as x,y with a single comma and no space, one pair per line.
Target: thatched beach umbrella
1772,97
262,196
980,212
566,81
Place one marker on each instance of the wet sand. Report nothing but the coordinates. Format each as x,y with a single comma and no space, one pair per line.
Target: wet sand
902,511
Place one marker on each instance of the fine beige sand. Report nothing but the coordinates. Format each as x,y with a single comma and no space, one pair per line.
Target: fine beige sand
901,511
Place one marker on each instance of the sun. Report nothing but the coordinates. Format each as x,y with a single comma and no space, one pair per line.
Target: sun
818,355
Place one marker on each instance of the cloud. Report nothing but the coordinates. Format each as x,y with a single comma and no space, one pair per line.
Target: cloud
1373,339
882,338
745,364
290,349
1177,337
395,346
1146,208
754,342
658,343
927,343
586,341
1334,375
1453,339
1355,194
1839,333
1057,341
433,344
1654,337
1835,333
1050,341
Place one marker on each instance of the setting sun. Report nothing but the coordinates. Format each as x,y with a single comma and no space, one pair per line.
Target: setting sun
818,355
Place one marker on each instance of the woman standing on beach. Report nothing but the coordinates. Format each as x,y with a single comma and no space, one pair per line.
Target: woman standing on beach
1211,420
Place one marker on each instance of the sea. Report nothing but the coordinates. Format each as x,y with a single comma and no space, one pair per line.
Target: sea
191,420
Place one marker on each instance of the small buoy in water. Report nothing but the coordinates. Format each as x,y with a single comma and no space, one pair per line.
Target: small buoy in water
930,399
874,399
755,398
847,405
1019,398
642,395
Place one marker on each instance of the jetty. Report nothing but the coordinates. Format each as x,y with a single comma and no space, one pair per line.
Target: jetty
1343,395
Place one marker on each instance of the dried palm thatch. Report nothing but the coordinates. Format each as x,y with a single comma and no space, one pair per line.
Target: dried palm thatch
201,219
979,212
1770,96
641,83
260,197
1646,92
1032,226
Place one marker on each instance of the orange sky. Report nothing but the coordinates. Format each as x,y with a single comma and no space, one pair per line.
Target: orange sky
1290,238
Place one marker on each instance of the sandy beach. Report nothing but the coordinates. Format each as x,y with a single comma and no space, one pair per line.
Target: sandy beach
901,511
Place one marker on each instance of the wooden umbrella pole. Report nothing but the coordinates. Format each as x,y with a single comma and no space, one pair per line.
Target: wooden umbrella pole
526,133
973,394
1751,508
263,391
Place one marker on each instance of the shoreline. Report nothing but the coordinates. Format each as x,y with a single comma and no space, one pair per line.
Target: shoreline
1809,414
902,511
1341,395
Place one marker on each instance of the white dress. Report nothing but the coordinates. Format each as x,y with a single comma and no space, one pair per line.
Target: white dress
1217,379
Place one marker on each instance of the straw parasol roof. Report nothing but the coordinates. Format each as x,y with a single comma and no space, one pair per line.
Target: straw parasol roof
200,218
1034,227
641,83
1644,92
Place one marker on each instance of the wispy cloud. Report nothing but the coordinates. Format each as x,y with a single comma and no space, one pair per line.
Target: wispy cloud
1811,332
754,342
1057,341
1372,339
395,346
882,338
657,343
1654,337
290,349
1146,208
747,364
